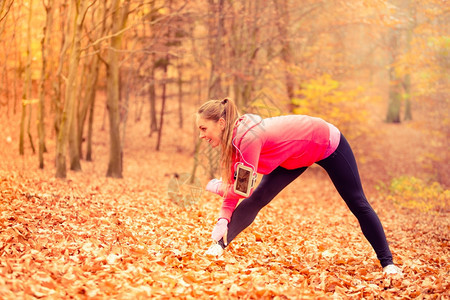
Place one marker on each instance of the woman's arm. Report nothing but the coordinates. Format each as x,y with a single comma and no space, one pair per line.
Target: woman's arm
248,154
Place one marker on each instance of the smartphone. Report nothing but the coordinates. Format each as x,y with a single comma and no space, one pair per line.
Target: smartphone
245,180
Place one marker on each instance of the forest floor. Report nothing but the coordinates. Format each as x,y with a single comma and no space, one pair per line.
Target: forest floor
92,237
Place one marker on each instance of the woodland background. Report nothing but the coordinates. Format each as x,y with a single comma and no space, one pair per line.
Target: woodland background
97,105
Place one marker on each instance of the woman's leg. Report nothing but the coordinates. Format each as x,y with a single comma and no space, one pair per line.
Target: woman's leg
343,171
270,185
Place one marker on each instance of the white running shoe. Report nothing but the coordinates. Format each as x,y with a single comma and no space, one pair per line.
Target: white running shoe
392,269
214,250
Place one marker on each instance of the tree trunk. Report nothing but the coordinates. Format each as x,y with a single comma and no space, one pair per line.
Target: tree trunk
26,93
17,63
115,154
57,83
30,137
126,105
163,103
395,97
119,18
152,88
407,80
89,98
91,93
152,98
180,96
90,129
66,128
407,98
45,45
245,44
282,14
216,25
5,73
215,28
393,113
74,148
22,128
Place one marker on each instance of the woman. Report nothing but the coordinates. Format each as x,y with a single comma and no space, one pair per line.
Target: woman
281,148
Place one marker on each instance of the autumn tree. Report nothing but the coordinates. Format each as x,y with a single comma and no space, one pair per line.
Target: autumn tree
57,84
119,19
164,63
410,15
245,45
428,62
153,15
27,88
45,46
215,47
398,44
173,35
92,67
283,25
67,132
393,112
403,40
5,8
215,22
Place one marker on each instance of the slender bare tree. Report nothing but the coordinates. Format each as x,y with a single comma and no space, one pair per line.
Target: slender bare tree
45,46
27,89
119,19
67,127
91,80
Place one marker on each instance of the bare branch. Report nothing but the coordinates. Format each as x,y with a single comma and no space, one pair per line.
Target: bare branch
7,10
98,41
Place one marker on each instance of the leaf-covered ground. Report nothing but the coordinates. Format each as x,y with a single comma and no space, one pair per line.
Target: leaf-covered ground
91,237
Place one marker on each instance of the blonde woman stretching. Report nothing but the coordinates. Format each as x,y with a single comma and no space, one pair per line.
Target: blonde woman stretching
280,148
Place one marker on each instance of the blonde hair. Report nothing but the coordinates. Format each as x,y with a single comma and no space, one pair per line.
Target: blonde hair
226,109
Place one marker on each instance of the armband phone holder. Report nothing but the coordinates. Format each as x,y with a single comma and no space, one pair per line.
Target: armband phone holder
245,180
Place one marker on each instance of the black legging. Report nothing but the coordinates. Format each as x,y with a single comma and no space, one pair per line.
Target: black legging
343,171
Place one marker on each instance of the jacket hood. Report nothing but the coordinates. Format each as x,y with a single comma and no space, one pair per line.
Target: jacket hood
244,124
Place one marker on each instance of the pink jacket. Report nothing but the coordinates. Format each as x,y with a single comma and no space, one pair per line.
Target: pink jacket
292,142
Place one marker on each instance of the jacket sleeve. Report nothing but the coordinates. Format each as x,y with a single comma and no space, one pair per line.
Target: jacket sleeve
250,149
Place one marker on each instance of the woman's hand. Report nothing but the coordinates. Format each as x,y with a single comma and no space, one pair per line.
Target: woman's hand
215,186
220,230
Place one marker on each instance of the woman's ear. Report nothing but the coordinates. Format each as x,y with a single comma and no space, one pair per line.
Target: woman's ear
222,124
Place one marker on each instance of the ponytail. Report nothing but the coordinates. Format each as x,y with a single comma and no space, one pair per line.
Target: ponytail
226,109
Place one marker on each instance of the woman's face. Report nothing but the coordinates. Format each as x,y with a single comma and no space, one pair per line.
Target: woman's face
211,130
